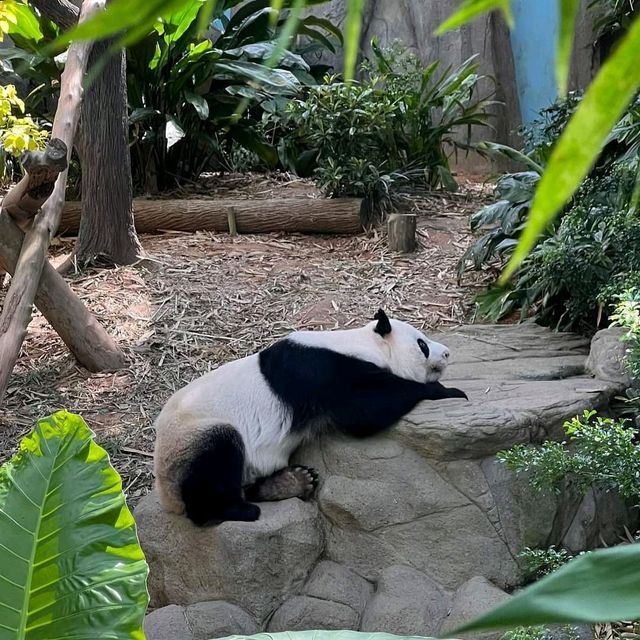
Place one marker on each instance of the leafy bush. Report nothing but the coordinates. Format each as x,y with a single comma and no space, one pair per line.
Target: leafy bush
185,93
18,133
71,564
394,124
539,632
603,451
588,255
538,563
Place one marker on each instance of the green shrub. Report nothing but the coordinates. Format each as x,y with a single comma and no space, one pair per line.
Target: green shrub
588,255
537,563
602,451
565,632
394,124
18,132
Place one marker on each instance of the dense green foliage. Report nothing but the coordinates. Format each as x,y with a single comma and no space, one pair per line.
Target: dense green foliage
603,451
186,92
537,563
71,565
18,132
394,124
589,255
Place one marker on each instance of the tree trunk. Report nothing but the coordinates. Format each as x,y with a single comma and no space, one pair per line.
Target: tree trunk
62,12
16,313
106,229
401,234
292,215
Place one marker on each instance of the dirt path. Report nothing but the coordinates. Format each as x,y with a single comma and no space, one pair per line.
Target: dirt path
203,299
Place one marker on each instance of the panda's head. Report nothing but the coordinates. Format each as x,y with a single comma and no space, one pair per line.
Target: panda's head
408,352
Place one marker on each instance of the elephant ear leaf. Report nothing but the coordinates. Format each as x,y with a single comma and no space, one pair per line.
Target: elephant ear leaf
71,565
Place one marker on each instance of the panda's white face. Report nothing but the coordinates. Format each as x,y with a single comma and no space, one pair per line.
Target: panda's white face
409,353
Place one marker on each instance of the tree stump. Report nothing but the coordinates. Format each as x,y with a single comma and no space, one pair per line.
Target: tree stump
401,232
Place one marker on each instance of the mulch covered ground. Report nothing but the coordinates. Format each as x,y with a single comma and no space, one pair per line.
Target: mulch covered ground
202,299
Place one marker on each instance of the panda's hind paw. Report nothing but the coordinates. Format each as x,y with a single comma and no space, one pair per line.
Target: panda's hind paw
308,478
291,482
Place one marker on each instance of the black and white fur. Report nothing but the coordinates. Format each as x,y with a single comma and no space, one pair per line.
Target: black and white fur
225,439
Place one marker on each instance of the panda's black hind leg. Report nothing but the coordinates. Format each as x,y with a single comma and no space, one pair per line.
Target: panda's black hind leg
290,482
212,483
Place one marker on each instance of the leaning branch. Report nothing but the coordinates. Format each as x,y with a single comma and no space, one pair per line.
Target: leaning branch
16,312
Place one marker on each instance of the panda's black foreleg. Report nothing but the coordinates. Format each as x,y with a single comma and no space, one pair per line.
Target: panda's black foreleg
211,486
290,482
379,400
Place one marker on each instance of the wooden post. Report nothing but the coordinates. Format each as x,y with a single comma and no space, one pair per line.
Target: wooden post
233,227
401,232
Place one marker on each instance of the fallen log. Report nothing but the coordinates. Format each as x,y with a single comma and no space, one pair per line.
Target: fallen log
291,215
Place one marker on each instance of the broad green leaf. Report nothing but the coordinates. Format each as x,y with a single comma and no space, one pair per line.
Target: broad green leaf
470,9
70,562
173,132
27,25
352,29
118,16
199,104
498,149
568,13
176,23
142,113
582,140
600,586
325,24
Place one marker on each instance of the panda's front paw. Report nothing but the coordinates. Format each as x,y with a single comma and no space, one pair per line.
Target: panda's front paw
456,393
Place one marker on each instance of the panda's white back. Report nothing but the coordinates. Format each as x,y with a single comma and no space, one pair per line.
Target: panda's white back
235,394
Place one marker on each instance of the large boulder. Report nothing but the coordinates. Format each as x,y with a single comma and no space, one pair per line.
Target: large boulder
473,598
417,521
255,565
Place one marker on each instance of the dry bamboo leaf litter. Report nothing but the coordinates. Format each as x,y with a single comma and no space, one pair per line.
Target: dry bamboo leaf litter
203,299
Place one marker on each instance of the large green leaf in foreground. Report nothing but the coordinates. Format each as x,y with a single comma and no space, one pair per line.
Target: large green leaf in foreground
323,635
70,562
600,586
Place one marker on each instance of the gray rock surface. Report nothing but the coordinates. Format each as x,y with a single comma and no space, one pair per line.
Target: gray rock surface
218,619
474,597
167,623
421,512
331,581
406,602
303,613
254,564
605,359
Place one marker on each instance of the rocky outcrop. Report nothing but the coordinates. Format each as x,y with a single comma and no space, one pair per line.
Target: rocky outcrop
412,532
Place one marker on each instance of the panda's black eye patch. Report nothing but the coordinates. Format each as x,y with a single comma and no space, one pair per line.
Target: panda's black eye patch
423,347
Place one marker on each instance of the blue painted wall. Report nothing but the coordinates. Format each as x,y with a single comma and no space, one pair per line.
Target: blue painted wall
533,40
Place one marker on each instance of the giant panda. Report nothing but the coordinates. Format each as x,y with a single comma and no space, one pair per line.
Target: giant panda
223,442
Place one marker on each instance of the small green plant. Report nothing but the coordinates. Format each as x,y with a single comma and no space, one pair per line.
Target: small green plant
537,563
18,132
539,632
603,451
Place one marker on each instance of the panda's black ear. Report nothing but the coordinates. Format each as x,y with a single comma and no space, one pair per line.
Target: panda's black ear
384,326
